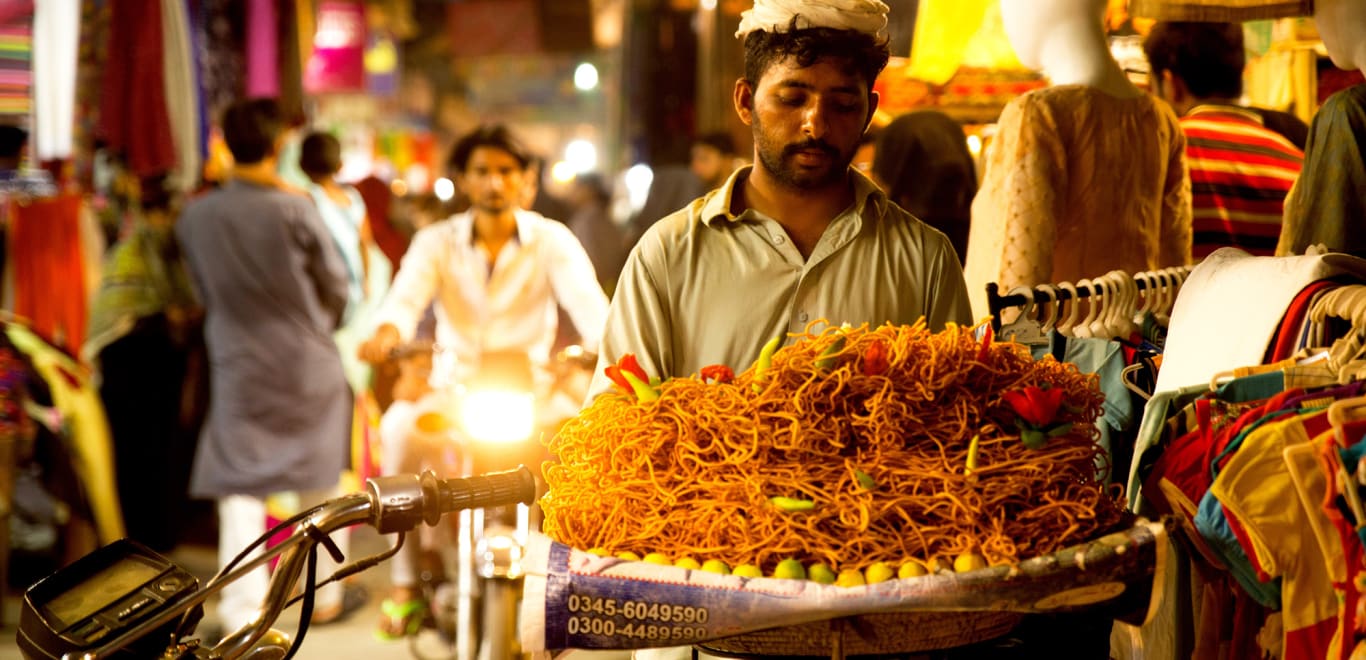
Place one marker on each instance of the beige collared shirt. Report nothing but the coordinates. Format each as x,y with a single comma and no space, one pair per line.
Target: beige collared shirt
706,287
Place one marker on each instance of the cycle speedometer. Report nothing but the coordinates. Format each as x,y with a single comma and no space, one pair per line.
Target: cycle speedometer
101,596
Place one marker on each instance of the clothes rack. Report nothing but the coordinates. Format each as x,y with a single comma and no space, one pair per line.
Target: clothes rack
997,302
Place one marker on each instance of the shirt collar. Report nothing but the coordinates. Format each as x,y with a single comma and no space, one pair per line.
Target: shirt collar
716,205
1225,109
463,224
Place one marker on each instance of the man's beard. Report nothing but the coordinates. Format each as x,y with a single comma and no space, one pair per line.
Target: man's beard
781,166
492,205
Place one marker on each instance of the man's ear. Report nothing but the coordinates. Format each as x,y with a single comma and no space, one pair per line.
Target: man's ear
873,99
744,101
1176,89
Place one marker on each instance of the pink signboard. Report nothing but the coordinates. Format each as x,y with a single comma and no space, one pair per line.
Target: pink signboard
338,60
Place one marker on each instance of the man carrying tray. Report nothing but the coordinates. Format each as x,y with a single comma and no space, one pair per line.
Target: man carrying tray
799,236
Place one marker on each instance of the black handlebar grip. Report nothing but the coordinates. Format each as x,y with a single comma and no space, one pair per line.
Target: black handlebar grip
488,490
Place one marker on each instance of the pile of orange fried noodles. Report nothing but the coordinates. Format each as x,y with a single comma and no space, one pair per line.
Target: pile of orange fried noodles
868,431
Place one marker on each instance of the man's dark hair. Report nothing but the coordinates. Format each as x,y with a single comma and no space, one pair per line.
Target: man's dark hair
496,136
718,140
320,155
250,128
1208,57
865,53
12,141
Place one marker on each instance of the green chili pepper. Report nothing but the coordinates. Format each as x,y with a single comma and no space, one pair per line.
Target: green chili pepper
765,361
972,455
792,504
866,480
644,392
827,358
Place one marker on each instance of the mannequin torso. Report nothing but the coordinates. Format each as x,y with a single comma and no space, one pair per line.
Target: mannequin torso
1065,40
1086,176
1329,199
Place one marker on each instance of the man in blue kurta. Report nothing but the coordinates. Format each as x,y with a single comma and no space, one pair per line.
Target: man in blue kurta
274,289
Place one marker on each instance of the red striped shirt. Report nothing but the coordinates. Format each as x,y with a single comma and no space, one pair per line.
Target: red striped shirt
1240,173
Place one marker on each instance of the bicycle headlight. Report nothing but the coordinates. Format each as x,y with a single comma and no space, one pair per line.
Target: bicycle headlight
498,416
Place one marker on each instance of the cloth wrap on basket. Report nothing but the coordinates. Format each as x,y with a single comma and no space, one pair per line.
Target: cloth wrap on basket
576,600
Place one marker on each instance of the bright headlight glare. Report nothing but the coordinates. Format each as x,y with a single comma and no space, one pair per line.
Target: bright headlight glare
498,415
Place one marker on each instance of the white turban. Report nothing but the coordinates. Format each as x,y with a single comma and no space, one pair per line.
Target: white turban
868,16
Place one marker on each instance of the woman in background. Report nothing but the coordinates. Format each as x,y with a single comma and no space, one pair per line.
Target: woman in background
923,163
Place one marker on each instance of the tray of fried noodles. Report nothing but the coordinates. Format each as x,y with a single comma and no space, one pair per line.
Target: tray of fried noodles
923,490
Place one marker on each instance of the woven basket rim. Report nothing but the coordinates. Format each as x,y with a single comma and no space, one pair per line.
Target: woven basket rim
873,634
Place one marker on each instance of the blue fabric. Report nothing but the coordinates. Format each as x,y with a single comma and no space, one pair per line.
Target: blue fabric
1214,528
1105,359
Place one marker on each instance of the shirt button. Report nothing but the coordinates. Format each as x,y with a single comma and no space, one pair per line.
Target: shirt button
777,239
801,316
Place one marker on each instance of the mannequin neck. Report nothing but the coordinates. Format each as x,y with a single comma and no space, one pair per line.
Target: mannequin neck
1075,53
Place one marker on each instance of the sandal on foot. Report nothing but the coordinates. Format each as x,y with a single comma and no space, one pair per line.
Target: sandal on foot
400,619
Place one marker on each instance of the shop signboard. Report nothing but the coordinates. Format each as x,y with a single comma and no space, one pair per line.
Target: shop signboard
338,60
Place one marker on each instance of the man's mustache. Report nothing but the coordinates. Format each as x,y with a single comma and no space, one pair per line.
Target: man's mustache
812,145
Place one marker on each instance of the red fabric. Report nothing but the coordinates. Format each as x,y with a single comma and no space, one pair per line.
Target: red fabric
133,117
1288,334
49,272
377,199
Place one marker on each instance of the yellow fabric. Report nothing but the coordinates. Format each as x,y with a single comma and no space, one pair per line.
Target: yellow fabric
953,33
1254,486
1079,183
91,447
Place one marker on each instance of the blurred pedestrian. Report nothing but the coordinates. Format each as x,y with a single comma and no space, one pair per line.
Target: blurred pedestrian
922,161
274,288
713,159
591,221
368,271
1240,170
142,332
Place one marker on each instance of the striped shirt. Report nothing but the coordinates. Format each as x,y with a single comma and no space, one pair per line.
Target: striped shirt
1240,173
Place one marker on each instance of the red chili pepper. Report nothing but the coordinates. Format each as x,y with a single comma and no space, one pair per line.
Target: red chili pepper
986,344
718,373
1036,406
875,359
629,363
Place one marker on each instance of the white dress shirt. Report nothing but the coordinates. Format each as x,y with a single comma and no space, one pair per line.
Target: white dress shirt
509,305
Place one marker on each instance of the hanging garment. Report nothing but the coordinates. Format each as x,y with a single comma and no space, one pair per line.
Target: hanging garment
16,67
133,118
45,248
75,398
182,95
56,27
1329,199
1217,327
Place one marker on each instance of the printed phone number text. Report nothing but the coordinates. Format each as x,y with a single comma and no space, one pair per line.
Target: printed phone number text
635,610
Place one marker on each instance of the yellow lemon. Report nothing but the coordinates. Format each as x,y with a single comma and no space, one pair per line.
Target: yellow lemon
850,577
790,569
601,552
820,573
910,569
628,555
687,562
878,572
968,561
657,558
716,566
748,570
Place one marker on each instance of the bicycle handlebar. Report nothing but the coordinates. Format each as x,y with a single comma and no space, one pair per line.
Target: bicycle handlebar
390,504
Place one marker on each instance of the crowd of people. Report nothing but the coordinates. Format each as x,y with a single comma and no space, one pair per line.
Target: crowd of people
308,296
